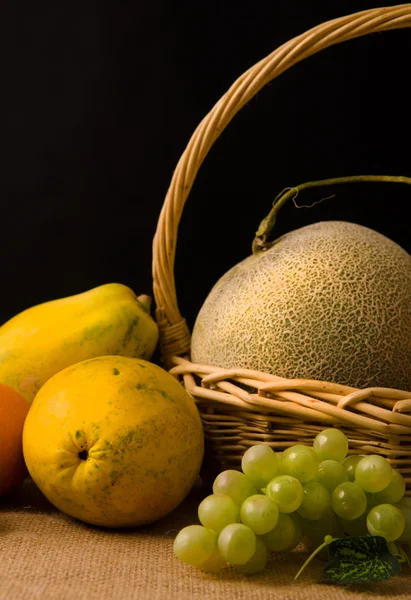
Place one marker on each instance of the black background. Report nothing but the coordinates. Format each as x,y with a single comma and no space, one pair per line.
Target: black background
100,99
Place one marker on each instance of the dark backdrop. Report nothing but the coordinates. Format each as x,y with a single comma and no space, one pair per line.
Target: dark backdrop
100,99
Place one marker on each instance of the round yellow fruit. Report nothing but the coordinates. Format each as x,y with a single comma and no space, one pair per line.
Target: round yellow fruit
114,441
329,301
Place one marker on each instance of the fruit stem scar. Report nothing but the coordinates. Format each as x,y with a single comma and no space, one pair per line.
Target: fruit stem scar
83,454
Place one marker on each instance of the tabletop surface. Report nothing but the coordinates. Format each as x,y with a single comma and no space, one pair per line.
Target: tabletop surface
46,555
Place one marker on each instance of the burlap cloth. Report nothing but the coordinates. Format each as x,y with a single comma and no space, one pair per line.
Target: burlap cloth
46,555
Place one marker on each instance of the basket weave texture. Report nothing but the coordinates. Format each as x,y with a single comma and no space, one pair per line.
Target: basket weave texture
241,407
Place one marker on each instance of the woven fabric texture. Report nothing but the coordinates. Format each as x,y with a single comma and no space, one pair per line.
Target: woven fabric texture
46,555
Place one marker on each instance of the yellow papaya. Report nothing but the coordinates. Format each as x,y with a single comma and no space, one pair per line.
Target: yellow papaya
44,339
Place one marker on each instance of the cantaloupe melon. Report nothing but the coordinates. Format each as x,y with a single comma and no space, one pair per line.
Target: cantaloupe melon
329,301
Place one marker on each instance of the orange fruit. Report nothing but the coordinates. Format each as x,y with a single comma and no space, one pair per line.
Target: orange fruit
13,411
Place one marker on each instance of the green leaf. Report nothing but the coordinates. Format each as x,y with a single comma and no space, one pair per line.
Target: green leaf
359,559
399,553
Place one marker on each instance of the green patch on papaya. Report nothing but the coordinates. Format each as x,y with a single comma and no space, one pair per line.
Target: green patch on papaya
116,371
95,333
133,437
142,386
146,388
130,330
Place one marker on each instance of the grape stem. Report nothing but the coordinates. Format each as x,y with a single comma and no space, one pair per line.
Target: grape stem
327,541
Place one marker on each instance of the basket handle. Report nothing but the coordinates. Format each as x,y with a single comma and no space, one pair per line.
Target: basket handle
174,333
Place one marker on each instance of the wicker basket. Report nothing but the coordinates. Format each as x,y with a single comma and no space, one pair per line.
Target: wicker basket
280,411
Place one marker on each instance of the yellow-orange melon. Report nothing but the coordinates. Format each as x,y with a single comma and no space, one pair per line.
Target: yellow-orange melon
329,301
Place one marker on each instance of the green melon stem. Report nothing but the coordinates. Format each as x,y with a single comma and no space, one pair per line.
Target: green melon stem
261,243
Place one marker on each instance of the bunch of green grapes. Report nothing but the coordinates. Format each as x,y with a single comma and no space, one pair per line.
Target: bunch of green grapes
279,498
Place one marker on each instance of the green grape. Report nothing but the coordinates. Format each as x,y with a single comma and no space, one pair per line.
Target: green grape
260,464
286,491
195,544
371,500
405,507
235,484
300,462
387,521
214,563
373,473
331,473
348,500
331,444
316,501
218,510
355,527
259,513
280,463
350,463
391,494
284,534
406,501
257,562
297,530
316,531
237,543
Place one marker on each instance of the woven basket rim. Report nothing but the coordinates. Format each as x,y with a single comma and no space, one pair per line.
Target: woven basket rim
242,407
